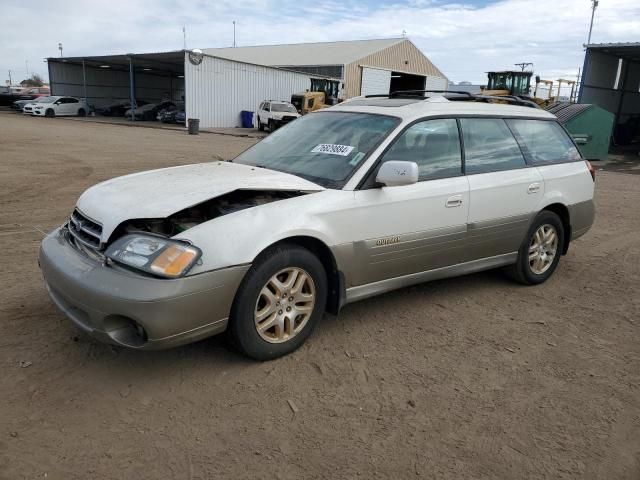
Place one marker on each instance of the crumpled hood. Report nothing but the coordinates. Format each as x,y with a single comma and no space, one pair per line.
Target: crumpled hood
161,193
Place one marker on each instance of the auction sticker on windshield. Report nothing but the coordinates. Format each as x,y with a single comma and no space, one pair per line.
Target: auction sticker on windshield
332,149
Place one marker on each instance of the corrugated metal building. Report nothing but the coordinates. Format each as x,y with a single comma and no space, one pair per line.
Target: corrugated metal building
215,90
364,66
217,84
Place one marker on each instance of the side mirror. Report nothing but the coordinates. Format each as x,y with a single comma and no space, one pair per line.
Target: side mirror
395,173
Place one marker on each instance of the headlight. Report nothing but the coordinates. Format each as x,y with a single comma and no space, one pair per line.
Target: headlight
155,255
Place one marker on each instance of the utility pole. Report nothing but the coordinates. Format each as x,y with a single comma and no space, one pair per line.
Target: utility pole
60,48
26,64
234,33
594,5
10,80
524,65
184,37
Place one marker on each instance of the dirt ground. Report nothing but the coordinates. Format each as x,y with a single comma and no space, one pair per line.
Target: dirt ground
467,378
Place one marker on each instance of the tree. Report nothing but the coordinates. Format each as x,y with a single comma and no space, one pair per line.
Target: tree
34,81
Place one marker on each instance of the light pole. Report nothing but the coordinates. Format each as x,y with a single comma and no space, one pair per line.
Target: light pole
60,48
594,5
234,33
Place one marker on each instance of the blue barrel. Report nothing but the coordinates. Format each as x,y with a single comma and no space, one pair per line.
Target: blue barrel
247,119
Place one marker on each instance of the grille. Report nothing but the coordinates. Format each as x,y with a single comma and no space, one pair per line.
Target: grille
85,230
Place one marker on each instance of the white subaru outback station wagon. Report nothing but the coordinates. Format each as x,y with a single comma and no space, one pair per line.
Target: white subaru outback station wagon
352,201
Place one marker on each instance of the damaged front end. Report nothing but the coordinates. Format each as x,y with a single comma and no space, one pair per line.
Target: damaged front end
86,234
190,217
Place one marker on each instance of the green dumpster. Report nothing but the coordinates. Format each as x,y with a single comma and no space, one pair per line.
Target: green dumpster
589,125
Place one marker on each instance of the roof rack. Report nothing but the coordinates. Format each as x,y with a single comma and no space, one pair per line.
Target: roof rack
466,96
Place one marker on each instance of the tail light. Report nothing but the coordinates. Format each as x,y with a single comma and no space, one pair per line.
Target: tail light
592,170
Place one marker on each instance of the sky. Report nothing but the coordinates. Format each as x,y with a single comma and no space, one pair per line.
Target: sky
464,39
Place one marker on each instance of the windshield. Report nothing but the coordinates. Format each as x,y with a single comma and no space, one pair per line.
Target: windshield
47,99
324,147
282,107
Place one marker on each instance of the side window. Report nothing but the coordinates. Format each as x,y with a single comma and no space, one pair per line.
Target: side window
433,144
261,107
489,146
267,106
72,100
544,141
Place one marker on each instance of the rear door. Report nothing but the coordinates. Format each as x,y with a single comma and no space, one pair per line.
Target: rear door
504,191
414,228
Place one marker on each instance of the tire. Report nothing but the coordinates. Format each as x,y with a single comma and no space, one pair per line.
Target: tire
281,333
533,266
260,125
50,113
272,126
82,112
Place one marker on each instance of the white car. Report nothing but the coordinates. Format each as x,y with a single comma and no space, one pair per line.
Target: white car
352,201
274,114
58,106
27,109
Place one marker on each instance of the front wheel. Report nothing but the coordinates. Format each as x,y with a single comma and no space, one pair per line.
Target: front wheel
540,251
279,303
50,113
260,125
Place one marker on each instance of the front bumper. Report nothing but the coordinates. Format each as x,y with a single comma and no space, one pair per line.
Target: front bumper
122,308
38,112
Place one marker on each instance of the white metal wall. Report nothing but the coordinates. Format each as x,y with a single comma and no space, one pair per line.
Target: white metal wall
375,81
436,83
217,90
105,86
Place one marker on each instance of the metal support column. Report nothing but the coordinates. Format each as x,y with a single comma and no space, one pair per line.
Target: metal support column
84,82
132,90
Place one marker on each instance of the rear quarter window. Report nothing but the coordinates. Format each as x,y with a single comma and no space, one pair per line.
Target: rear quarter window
544,142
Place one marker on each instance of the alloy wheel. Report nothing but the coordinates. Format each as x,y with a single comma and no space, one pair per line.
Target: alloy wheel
284,305
543,249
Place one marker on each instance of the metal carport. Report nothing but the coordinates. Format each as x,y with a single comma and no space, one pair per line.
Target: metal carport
107,79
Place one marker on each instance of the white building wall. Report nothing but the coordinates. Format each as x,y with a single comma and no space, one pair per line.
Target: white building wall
217,90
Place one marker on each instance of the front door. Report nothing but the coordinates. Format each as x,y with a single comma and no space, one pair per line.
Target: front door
413,228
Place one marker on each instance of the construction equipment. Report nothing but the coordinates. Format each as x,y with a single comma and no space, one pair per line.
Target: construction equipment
573,88
508,82
306,102
548,83
323,93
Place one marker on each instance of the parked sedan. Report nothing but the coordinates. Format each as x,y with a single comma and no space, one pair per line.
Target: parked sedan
61,106
28,107
148,111
118,109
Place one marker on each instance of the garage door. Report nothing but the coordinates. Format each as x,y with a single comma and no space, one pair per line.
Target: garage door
436,83
375,81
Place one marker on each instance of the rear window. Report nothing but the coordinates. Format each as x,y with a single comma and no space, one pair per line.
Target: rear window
544,141
489,146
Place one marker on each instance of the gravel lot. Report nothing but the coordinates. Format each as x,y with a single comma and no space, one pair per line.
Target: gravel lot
473,377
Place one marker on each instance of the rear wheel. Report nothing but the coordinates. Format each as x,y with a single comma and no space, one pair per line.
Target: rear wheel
540,251
279,303
50,113
82,112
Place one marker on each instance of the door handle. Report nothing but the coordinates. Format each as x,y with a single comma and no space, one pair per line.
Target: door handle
454,201
533,188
